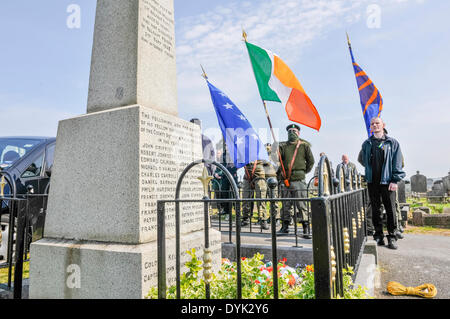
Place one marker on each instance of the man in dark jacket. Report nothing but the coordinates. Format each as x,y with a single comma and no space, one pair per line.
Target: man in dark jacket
224,189
382,158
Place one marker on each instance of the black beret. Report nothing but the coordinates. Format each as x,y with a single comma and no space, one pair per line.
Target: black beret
290,126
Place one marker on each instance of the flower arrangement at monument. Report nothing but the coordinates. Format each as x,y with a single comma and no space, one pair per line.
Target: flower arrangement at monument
257,281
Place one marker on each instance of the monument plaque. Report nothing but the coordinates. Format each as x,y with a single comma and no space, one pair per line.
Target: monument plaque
114,163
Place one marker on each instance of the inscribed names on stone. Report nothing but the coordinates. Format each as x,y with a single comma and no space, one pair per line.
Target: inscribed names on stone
167,147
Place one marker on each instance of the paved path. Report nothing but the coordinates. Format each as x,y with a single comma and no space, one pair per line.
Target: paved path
257,236
419,259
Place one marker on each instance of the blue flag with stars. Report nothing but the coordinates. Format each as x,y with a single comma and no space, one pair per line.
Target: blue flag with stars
244,145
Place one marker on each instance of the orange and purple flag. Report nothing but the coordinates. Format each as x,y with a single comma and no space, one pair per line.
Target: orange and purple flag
371,100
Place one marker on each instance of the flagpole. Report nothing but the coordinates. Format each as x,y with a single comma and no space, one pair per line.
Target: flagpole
224,159
350,48
244,35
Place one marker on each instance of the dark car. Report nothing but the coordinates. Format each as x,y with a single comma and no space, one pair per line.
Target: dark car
28,160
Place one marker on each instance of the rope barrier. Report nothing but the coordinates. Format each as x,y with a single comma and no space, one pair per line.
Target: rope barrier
425,290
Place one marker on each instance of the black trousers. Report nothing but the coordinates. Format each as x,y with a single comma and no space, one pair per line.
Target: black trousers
380,194
224,194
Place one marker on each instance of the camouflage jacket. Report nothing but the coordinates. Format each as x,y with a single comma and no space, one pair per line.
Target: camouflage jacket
259,170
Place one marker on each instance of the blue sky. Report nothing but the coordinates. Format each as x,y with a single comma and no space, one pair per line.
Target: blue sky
45,67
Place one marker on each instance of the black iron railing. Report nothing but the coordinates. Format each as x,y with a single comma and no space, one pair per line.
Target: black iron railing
339,235
20,209
272,195
338,230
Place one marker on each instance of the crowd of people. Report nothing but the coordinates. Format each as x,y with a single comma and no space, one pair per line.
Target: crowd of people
293,159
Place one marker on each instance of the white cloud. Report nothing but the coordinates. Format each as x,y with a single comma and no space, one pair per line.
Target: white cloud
214,39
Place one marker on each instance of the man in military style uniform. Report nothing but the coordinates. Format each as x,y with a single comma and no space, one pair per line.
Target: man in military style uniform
254,186
271,171
296,160
269,168
223,189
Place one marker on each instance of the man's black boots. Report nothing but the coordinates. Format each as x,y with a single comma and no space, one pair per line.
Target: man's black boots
284,228
306,230
263,224
392,243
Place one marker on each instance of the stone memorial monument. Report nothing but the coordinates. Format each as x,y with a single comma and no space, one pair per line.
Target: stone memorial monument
418,183
114,163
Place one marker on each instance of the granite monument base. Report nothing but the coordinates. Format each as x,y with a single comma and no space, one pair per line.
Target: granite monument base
69,269
111,168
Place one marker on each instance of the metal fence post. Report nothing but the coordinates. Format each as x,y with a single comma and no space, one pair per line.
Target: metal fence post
238,251
272,182
22,214
321,249
11,226
207,274
161,251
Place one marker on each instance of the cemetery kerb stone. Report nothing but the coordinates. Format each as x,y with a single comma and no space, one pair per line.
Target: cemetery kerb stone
115,162
418,183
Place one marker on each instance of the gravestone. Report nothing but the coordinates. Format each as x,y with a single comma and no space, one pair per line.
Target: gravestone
418,183
446,181
114,163
401,192
437,189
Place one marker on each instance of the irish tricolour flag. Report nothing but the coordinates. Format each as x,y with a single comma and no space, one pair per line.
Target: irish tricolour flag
276,82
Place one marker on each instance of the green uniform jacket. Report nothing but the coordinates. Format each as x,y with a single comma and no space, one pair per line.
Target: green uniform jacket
304,161
259,171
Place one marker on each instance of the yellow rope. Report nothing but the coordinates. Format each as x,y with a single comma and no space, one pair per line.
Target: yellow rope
425,291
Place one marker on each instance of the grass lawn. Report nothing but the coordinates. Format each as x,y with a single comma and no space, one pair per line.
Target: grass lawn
435,208
4,273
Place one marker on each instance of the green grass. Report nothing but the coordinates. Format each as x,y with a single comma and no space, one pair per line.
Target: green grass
435,208
4,273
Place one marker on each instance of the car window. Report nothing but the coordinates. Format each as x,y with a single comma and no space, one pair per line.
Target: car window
35,168
50,157
12,149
